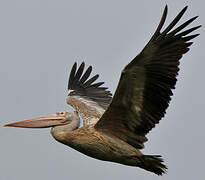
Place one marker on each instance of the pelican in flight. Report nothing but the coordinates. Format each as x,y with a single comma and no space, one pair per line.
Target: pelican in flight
115,128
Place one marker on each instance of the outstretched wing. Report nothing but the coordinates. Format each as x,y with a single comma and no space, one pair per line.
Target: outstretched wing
87,97
145,87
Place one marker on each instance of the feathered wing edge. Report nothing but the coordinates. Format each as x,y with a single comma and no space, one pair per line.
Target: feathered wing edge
80,83
161,68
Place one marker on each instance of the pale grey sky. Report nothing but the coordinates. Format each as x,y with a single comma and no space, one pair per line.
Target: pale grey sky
39,42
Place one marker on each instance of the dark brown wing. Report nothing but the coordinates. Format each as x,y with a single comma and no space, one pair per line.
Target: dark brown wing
86,95
82,85
146,83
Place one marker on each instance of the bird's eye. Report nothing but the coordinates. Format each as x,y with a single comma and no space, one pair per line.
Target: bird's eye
60,113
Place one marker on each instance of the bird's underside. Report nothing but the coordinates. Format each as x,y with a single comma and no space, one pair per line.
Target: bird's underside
106,147
115,128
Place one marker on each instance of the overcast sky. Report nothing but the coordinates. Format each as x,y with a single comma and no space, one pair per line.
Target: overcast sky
39,42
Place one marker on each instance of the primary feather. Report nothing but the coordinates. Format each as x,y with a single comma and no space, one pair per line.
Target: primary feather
86,95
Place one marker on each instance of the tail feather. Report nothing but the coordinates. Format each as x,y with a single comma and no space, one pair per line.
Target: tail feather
153,163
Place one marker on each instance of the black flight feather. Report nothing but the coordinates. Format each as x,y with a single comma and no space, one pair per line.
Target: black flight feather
83,85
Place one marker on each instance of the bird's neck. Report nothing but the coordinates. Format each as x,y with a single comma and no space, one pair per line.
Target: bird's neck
60,133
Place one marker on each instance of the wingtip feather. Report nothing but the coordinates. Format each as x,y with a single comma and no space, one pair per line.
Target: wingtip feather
80,82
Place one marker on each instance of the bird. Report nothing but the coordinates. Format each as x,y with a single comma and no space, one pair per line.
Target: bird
115,126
